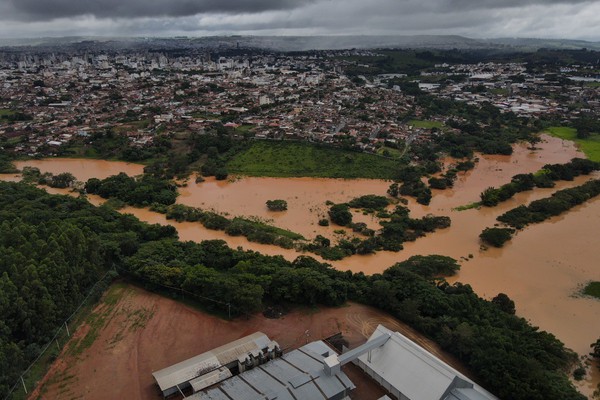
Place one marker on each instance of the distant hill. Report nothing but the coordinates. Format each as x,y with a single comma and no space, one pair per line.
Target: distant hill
303,43
534,44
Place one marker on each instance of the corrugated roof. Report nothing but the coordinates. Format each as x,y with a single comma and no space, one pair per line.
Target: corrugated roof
210,379
415,372
297,375
189,369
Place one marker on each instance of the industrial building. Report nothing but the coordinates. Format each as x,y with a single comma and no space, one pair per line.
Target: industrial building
409,372
298,374
216,365
254,368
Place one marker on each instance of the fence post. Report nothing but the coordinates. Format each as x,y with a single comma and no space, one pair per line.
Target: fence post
23,382
67,326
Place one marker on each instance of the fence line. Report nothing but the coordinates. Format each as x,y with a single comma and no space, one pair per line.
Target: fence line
21,380
64,324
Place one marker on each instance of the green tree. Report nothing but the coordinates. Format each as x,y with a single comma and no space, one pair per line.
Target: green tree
340,214
277,205
496,236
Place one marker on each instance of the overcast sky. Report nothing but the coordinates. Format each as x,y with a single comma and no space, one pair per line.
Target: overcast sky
473,18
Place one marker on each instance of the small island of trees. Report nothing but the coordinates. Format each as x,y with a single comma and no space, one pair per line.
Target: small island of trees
277,205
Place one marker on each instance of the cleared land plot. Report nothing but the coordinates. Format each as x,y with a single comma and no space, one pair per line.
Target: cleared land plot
295,159
426,124
590,146
132,333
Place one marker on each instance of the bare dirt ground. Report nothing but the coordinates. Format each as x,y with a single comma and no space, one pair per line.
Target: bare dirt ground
132,333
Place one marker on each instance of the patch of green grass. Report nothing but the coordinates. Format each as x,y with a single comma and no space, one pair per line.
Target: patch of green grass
425,124
275,230
590,146
295,159
592,289
389,152
6,112
97,319
499,91
467,206
205,115
244,128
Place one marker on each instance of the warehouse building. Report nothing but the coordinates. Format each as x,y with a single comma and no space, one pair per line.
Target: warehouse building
296,375
254,368
409,372
216,365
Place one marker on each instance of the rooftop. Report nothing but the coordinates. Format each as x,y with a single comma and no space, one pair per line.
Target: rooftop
194,367
296,375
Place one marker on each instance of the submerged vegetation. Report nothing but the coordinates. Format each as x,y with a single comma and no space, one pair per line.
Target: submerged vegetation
253,230
592,289
540,210
496,236
512,358
396,228
544,178
139,192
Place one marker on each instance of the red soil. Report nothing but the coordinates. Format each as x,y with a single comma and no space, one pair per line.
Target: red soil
142,332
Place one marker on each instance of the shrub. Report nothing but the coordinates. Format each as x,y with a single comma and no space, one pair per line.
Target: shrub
277,205
496,236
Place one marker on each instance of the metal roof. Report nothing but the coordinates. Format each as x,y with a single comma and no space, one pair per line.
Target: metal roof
296,375
194,367
418,374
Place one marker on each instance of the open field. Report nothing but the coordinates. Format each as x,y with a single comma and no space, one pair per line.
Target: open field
295,159
590,146
133,332
426,124
6,112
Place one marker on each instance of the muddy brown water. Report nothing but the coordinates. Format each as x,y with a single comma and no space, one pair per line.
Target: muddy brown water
541,269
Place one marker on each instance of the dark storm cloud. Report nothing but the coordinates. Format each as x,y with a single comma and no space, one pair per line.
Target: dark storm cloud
473,18
40,10
51,9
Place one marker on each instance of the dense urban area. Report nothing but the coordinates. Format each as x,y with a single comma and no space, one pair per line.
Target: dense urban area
418,118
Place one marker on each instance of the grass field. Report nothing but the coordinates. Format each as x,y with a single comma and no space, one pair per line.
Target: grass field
293,159
592,289
5,112
590,146
425,124
391,152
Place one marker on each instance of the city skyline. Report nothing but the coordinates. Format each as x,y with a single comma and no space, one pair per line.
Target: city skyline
476,19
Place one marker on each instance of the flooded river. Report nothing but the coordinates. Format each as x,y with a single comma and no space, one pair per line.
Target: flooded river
541,269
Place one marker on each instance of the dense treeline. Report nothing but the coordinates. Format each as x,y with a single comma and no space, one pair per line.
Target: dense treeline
52,250
544,178
141,191
253,230
6,165
34,175
369,202
542,209
396,228
496,236
511,358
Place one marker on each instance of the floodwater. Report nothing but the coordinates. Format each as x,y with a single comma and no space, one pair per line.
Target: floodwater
83,169
541,269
